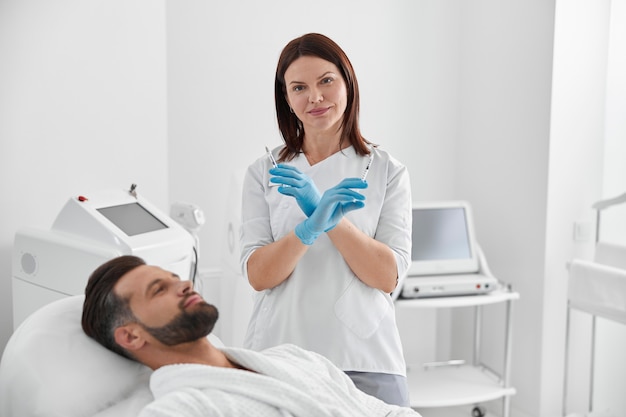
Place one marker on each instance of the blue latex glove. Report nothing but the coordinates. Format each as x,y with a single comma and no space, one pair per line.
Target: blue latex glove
298,185
333,205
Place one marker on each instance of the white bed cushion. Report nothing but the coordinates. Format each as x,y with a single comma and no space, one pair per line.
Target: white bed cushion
51,368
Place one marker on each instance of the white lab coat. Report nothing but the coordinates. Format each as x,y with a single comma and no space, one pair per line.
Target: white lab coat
323,306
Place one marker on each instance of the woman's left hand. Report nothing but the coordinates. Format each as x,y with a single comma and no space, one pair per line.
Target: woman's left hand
334,204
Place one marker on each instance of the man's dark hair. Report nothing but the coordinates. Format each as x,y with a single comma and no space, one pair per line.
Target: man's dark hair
103,310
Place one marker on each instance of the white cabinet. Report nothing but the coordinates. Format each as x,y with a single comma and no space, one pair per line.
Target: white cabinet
447,384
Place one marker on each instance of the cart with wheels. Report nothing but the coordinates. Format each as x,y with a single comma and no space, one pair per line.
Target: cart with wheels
454,383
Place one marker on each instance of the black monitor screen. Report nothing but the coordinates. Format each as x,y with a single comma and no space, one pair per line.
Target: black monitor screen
440,234
132,219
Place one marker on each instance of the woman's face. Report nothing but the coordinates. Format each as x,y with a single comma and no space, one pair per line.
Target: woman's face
317,94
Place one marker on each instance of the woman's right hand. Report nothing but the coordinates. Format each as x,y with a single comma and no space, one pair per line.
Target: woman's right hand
298,185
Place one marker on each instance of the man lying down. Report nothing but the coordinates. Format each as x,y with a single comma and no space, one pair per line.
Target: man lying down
152,316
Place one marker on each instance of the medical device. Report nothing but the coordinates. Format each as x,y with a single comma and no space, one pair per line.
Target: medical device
445,257
89,230
367,167
191,217
271,157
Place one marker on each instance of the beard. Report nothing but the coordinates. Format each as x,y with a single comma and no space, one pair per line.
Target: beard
187,326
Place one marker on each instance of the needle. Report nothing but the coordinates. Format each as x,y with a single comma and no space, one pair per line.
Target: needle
271,157
367,168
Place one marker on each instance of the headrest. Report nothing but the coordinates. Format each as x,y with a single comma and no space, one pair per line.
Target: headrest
51,368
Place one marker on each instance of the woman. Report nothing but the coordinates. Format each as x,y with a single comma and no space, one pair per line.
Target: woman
324,263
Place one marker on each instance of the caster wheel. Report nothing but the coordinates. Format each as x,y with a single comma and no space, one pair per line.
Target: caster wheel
478,411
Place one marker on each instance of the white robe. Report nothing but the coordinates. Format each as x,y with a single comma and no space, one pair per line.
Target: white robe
288,381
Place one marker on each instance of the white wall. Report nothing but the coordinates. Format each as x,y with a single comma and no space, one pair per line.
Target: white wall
82,107
614,178
576,151
504,136
610,343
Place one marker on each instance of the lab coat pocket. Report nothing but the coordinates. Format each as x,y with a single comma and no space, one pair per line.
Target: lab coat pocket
362,308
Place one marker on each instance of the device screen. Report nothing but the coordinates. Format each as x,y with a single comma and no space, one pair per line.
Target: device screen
440,234
132,219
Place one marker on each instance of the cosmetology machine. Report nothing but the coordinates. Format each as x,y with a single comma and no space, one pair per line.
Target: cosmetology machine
52,264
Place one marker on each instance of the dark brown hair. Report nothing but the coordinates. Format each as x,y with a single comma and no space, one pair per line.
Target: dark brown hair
103,310
291,129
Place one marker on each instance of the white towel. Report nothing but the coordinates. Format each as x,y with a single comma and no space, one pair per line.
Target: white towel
598,289
288,381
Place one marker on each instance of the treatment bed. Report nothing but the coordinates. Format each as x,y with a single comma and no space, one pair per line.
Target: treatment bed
51,368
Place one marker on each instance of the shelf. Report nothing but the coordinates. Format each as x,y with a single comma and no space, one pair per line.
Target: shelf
459,385
461,411
493,297
453,386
